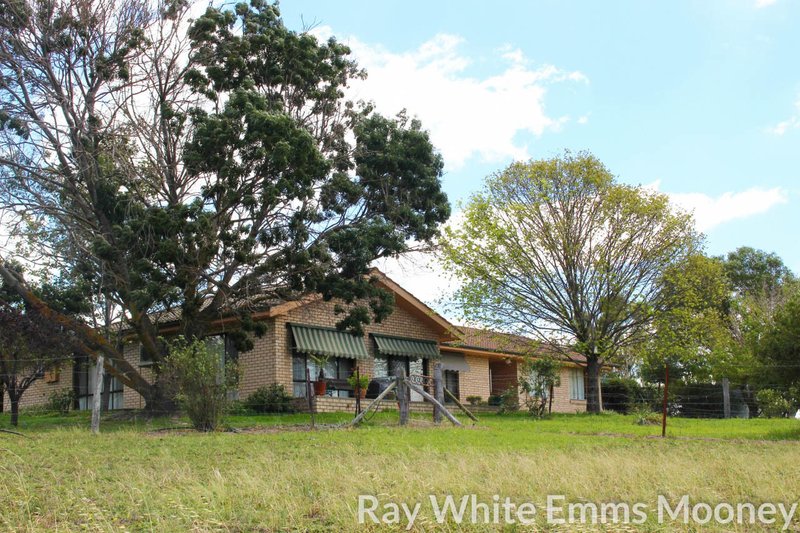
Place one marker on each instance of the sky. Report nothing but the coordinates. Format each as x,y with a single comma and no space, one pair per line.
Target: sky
697,99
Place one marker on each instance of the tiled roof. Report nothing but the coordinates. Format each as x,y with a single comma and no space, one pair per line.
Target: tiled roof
495,341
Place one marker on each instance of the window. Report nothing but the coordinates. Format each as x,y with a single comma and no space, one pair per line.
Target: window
451,384
84,374
336,371
144,357
576,384
224,348
537,386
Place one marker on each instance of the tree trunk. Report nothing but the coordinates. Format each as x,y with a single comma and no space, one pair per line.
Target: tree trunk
592,385
14,410
162,400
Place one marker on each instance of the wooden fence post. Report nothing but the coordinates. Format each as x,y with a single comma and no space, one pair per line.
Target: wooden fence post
438,392
726,397
97,396
402,395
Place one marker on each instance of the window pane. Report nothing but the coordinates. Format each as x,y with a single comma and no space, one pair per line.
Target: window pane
381,368
330,368
346,368
216,345
298,368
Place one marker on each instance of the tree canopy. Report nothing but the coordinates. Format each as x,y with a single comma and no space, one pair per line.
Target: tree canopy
206,167
557,249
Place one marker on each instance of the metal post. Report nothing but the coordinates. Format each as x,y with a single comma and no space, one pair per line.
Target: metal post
402,396
664,408
438,391
358,391
726,397
97,396
310,396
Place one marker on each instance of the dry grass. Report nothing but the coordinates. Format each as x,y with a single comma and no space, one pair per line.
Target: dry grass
132,479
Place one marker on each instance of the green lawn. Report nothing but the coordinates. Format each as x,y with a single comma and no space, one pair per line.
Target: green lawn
273,474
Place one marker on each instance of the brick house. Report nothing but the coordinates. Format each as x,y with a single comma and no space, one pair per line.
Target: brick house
475,362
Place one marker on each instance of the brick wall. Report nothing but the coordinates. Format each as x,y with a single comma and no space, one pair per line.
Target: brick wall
476,382
40,390
320,313
562,403
327,404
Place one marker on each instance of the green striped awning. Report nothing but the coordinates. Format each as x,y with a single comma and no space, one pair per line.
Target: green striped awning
327,342
406,347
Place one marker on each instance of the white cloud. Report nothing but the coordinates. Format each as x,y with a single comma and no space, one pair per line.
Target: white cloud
711,211
790,123
764,3
465,115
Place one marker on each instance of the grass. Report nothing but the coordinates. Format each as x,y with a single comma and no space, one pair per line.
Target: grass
272,476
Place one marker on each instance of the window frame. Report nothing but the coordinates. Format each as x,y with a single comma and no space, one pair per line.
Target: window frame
577,384
339,383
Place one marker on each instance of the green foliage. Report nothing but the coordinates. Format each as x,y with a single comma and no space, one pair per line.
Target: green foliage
692,328
474,400
361,381
61,401
644,415
779,346
509,401
254,181
621,394
538,377
559,242
271,399
773,404
752,271
203,382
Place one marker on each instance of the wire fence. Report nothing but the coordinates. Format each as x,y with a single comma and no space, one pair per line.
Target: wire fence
707,399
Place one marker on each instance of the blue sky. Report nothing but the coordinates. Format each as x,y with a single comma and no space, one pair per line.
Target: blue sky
699,99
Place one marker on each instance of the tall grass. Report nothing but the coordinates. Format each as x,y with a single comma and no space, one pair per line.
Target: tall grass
64,479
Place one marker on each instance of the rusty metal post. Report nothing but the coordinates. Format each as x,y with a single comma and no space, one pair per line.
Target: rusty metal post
664,407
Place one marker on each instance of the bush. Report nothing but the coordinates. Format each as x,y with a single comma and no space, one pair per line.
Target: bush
644,415
202,383
474,400
61,401
620,394
772,404
494,400
270,399
509,401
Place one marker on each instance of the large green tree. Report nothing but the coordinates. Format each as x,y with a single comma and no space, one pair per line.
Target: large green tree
202,172
557,249
691,331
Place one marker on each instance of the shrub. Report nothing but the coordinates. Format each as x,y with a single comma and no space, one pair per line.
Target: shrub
494,400
644,415
474,400
772,404
540,375
270,399
620,394
61,401
358,382
509,401
202,382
